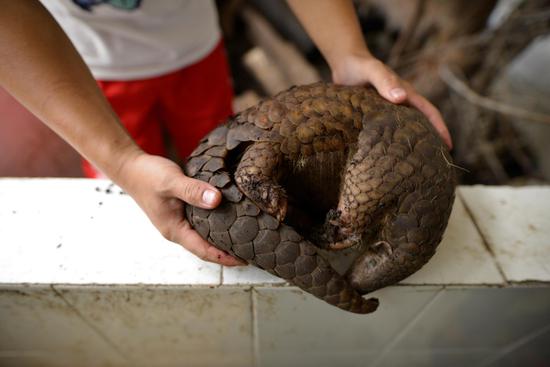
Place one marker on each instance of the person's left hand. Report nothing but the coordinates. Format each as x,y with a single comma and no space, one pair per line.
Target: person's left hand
365,69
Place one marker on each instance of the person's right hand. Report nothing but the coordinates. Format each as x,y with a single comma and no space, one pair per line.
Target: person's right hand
160,188
42,69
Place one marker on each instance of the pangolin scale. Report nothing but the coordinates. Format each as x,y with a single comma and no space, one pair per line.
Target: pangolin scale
322,170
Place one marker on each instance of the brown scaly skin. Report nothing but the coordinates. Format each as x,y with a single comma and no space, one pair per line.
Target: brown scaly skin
358,172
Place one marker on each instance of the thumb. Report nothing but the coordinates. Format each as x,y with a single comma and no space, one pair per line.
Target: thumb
196,192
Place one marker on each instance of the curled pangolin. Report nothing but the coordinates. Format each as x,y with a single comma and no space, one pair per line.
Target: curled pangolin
320,172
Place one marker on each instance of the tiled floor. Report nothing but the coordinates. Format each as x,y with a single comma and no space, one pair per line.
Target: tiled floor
515,223
291,324
85,279
470,326
37,327
170,325
85,232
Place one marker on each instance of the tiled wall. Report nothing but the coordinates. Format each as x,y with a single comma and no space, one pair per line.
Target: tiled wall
271,326
86,280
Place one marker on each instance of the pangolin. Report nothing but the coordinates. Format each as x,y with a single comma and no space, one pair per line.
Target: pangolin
323,171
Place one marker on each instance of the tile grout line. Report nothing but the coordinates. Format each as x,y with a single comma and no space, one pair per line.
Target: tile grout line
393,342
483,239
255,331
101,335
515,345
221,275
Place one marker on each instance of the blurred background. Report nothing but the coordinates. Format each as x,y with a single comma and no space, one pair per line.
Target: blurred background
484,64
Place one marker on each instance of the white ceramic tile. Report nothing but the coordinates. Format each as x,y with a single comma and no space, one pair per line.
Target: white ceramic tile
477,318
249,275
435,358
37,328
171,326
319,358
515,222
85,231
461,257
293,326
531,352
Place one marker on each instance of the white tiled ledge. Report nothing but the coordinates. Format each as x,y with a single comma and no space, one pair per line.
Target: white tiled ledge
86,280
86,232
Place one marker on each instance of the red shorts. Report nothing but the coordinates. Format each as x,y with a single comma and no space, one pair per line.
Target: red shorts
185,105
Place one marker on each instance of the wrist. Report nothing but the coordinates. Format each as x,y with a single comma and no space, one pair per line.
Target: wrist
350,68
118,160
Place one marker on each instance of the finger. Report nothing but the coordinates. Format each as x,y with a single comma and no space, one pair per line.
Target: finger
386,82
195,244
223,258
196,192
433,114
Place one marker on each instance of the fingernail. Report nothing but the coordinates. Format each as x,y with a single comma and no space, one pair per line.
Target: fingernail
208,197
397,93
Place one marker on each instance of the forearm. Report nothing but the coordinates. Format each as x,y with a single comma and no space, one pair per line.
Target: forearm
41,68
333,26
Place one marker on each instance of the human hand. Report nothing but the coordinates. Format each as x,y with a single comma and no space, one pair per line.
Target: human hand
160,188
365,69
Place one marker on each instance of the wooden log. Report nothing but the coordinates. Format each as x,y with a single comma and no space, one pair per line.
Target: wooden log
294,68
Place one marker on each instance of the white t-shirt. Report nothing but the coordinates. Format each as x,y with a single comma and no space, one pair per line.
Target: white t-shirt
137,39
